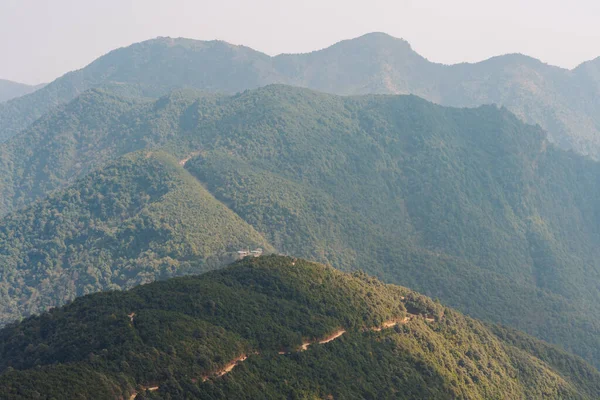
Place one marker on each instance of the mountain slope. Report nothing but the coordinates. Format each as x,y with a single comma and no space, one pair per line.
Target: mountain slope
219,334
563,102
10,90
148,69
138,219
467,205
450,202
64,145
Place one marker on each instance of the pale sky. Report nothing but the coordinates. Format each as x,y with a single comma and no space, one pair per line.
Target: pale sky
43,39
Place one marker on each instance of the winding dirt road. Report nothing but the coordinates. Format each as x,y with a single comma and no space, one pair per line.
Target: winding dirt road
335,335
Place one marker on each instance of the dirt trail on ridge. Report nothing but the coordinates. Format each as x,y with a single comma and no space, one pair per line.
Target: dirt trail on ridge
335,335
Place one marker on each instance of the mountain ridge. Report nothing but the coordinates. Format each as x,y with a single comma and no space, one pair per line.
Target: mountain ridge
10,89
302,328
561,101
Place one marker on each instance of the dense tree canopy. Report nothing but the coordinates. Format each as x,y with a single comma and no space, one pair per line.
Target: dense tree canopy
175,336
466,205
138,219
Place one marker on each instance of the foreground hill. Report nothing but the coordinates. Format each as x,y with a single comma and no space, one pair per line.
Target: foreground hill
10,90
136,220
467,205
563,102
277,327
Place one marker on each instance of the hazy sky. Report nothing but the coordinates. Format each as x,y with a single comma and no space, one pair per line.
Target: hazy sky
42,39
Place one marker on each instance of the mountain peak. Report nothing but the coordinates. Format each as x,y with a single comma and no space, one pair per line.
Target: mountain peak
590,67
379,36
378,39
514,58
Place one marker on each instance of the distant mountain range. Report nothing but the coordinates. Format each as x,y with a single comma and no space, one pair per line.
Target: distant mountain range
565,103
10,90
470,206
278,328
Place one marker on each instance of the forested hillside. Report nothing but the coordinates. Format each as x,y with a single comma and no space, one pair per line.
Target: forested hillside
470,206
563,102
66,144
136,220
278,327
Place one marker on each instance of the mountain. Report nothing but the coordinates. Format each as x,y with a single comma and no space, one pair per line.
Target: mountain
470,206
75,139
10,90
140,218
148,69
64,145
276,327
563,102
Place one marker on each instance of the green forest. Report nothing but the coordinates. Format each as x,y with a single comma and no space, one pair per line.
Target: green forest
174,336
469,206
405,247
136,220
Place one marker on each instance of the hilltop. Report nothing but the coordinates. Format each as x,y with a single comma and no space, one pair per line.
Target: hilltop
276,327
